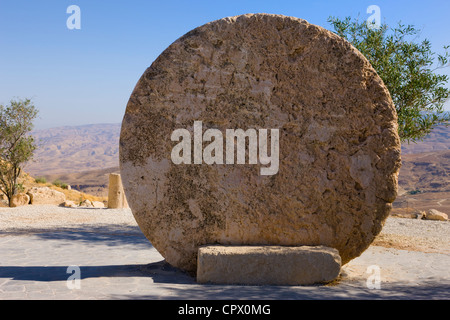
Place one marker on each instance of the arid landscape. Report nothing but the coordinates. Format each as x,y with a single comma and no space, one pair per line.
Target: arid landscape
424,179
75,149
83,157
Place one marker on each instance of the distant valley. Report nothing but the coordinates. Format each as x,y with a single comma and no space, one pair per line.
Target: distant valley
76,149
424,179
81,156
437,140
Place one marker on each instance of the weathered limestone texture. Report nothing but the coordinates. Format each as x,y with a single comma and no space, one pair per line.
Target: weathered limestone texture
267,265
20,199
116,195
339,151
45,195
434,214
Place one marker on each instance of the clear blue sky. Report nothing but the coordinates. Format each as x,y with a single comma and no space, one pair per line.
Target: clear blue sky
86,76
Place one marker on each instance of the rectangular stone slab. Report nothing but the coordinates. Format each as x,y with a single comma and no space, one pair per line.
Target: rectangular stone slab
267,265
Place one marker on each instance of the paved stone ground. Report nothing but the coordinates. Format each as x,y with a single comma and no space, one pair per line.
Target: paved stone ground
119,263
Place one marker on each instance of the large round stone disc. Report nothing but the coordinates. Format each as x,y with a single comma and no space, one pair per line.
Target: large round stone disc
339,151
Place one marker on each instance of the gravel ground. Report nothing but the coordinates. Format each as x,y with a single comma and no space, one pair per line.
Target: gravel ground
415,235
51,217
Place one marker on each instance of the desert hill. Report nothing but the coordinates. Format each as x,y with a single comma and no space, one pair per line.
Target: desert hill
81,156
28,182
93,182
424,181
437,140
65,150
425,172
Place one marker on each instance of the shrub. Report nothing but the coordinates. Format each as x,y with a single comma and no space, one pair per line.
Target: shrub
40,180
57,183
16,144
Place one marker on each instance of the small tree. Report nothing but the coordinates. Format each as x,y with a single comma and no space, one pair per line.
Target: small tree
16,145
408,71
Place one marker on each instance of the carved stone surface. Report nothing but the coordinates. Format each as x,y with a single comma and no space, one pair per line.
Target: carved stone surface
339,151
267,265
116,194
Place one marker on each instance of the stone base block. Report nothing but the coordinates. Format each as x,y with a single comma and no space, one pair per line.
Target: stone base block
267,265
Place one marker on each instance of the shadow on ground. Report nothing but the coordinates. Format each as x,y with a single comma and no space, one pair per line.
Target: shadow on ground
110,235
160,272
183,287
343,291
